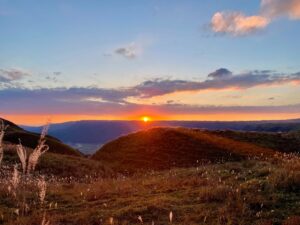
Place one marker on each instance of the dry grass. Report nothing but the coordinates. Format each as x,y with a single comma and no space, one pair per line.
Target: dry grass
230,193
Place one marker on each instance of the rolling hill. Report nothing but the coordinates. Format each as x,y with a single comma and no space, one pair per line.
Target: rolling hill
15,133
164,148
288,142
87,136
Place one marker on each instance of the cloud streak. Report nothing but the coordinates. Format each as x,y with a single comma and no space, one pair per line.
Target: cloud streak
218,80
51,102
102,100
130,51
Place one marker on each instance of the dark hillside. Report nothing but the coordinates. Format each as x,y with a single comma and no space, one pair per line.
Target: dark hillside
283,142
29,139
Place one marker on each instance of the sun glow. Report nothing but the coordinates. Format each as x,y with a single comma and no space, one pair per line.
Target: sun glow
146,119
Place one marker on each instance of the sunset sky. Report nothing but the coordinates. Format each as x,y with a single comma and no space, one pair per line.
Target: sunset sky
170,60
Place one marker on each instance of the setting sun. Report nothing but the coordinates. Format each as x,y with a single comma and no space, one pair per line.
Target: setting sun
146,119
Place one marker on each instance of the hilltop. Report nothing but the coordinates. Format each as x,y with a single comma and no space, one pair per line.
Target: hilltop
165,148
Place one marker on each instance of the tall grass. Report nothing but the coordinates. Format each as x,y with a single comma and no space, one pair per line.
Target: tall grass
27,190
29,163
2,132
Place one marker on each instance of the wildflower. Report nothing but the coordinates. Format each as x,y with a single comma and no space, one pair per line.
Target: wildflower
9,189
140,219
111,220
171,216
17,212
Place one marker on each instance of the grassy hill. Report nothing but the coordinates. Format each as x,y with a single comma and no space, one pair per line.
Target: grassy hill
61,160
29,139
60,165
288,142
164,148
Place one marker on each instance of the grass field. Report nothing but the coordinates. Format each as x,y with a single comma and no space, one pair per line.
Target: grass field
245,192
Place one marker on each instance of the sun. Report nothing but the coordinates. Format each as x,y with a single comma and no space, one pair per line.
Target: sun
146,119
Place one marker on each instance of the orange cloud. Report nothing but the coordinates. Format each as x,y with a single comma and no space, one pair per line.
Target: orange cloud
275,8
237,23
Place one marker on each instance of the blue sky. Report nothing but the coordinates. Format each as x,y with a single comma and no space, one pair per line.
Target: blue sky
113,44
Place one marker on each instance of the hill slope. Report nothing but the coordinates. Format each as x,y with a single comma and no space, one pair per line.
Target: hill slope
87,136
29,139
288,142
164,148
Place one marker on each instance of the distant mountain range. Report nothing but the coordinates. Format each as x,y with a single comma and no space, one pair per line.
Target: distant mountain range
88,136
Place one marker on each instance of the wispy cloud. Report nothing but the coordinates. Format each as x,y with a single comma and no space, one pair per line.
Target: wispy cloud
129,51
103,101
48,102
239,24
12,74
219,80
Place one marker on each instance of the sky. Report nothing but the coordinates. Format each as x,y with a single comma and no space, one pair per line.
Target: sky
67,60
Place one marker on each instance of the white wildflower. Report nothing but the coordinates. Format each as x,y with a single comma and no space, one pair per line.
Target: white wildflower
140,219
17,212
111,220
171,216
